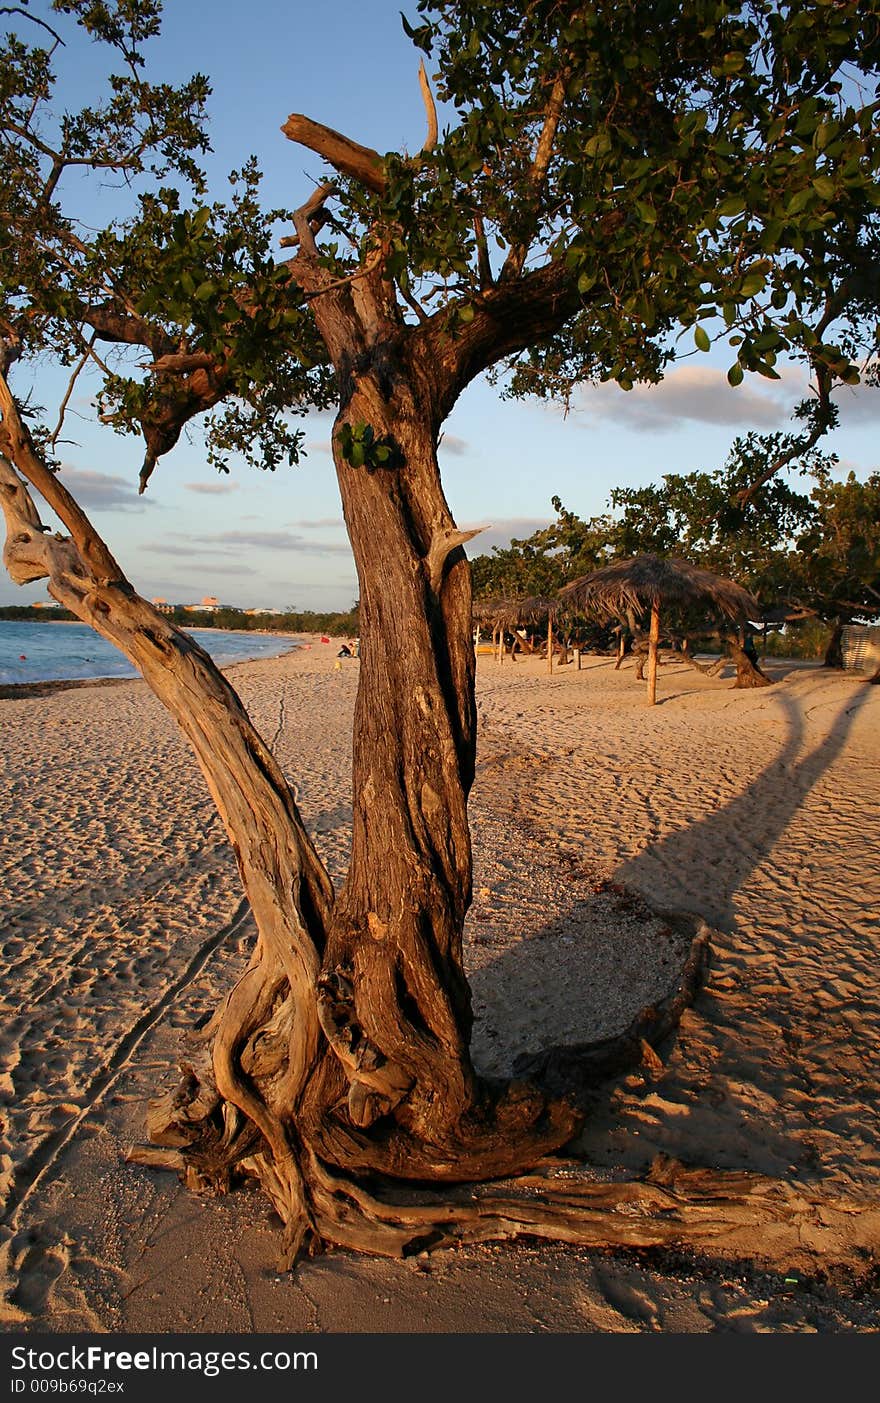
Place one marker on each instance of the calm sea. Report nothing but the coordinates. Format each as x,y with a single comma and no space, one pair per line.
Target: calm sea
54,652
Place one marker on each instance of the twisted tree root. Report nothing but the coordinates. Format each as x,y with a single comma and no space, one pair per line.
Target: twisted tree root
721,1214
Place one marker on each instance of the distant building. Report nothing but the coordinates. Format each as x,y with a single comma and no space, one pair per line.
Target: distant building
163,606
46,604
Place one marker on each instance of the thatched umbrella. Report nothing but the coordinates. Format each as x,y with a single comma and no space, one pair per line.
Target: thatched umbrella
535,609
487,611
647,581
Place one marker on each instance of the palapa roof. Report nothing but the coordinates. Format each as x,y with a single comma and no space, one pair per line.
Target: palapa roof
638,583
534,609
514,613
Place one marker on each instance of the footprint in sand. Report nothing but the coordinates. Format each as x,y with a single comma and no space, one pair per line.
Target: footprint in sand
39,1264
628,1299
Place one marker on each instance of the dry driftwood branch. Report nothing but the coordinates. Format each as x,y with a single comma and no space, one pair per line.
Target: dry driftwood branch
358,162
430,108
515,260
442,544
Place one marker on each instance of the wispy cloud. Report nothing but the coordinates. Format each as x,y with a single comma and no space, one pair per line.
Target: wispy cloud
212,489
278,540
858,404
192,547
102,491
697,394
226,543
451,443
319,523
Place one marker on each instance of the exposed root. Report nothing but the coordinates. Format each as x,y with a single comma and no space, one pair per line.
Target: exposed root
707,1211
363,1208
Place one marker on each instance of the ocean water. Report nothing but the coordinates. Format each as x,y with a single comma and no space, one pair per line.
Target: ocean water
54,652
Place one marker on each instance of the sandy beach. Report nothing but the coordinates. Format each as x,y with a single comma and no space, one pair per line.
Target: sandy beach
593,814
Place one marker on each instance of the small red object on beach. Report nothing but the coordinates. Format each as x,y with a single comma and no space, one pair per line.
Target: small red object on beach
324,638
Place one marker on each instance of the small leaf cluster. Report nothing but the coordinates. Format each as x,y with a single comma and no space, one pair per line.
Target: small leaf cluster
361,447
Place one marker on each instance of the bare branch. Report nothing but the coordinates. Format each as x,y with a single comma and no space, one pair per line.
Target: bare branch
19,10
800,447
371,263
442,546
548,132
411,302
16,444
513,264
182,362
305,218
53,438
358,162
430,108
483,265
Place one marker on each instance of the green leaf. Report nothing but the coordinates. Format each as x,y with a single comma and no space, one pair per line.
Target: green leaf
702,340
598,145
752,284
204,291
735,374
466,313
799,201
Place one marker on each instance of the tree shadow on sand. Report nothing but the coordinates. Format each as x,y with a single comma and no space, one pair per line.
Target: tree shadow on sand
762,1074
713,857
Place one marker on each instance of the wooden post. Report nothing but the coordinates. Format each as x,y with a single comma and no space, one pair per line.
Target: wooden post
549,642
653,642
577,659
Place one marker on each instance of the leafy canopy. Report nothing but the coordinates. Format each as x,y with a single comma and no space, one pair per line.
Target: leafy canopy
616,173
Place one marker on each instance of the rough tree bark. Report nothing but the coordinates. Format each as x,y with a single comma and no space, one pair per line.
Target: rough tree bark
834,651
748,671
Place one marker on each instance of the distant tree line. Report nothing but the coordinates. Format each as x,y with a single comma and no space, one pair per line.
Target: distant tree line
226,617
812,553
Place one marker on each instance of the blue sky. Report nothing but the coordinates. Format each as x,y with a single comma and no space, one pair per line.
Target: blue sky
277,540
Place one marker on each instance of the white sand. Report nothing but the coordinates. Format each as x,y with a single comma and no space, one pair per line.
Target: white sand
123,923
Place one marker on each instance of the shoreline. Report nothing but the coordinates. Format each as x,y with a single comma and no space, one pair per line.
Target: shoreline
11,691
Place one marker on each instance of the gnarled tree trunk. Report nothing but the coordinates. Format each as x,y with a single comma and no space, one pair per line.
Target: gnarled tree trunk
395,1004
834,651
748,672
